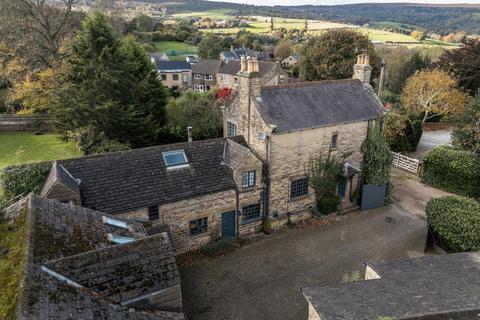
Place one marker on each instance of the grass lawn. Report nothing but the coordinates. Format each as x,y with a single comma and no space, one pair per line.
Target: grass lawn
18,148
174,49
214,14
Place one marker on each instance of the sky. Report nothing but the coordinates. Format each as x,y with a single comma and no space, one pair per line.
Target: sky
331,2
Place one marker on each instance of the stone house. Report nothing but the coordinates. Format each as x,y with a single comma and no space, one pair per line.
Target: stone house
204,74
79,263
290,61
271,74
444,287
200,190
174,74
235,54
286,124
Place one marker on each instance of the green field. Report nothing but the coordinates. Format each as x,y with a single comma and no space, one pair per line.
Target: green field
214,14
174,49
18,148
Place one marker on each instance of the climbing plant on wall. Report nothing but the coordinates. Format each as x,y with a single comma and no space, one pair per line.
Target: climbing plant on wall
377,157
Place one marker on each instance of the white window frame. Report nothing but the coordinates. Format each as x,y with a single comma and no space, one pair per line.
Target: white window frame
209,77
198,76
185,164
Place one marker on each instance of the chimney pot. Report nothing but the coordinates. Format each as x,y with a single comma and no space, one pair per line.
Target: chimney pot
189,131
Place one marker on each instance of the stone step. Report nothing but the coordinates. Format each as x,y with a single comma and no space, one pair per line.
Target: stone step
348,209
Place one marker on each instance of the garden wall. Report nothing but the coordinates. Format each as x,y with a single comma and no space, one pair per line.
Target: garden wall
29,123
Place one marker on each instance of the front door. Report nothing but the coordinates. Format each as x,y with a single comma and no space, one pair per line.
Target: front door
228,224
342,184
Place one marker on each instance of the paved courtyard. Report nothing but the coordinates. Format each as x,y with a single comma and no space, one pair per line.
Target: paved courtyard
430,140
263,279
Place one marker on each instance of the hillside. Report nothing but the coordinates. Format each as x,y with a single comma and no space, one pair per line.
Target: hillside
442,19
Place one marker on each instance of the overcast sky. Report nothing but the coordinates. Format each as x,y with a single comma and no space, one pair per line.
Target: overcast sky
330,2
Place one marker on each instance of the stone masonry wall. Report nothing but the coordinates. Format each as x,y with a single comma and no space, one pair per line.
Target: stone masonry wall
291,151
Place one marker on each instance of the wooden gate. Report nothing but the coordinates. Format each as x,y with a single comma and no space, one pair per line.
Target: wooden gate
406,163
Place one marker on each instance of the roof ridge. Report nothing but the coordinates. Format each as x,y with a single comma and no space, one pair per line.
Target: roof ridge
309,83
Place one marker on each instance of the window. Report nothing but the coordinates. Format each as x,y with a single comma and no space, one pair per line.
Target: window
198,76
231,129
208,88
251,212
209,77
114,222
163,77
119,239
248,179
298,188
153,213
175,159
333,143
198,226
175,76
185,78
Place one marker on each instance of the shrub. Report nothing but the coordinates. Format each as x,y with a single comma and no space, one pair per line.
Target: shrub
218,247
453,170
377,157
328,205
92,142
18,181
456,222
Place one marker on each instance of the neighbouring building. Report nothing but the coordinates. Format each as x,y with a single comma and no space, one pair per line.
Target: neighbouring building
445,287
271,74
174,74
235,54
84,264
204,74
286,124
291,60
200,190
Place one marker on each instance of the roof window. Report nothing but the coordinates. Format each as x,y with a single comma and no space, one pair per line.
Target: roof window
114,222
175,159
119,239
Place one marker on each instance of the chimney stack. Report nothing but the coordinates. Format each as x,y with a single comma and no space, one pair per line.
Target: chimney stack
362,70
189,131
243,64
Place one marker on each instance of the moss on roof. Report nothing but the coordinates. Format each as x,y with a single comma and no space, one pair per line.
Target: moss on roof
14,238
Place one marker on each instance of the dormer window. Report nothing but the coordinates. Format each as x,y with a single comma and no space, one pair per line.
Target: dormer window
119,239
175,159
114,222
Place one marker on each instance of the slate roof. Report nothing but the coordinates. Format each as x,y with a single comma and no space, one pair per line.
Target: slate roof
433,287
172,66
127,180
238,53
59,174
306,105
234,154
207,66
134,269
65,232
233,67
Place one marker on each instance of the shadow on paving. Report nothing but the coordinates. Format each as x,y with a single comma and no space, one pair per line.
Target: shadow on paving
263,280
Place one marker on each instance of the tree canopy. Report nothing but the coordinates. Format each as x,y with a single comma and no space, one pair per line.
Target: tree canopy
466,133
333,54
210,47
110,84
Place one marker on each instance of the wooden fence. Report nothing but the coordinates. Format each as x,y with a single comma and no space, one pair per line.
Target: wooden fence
31,123
406,163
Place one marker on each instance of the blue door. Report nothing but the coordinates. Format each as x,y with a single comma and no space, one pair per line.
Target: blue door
341,188
228,224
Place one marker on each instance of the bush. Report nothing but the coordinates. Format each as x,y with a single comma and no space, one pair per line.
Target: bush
328,205
92,142
18,181
453,170
217,247
408,138
456,222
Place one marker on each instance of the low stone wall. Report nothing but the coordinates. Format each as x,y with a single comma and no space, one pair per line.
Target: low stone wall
29,123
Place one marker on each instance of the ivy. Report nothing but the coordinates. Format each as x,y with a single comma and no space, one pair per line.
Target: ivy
377,156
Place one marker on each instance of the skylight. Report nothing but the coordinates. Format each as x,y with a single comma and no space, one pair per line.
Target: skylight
115,223
119,239
175,159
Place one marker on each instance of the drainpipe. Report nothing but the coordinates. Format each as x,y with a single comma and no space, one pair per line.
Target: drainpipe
237,213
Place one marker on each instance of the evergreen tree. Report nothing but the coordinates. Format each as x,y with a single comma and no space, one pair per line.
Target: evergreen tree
110,85
377,157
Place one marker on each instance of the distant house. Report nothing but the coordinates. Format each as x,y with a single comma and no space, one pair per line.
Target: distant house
271,74
291,60
445,287
174,74
84,264
194,188
204,74
235,54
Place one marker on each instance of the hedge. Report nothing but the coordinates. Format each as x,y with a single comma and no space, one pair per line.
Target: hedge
455,220
453,170
19,181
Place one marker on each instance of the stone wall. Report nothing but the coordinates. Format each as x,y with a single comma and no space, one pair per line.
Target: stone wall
290,153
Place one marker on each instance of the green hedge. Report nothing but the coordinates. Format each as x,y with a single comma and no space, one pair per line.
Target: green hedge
328,205
456,222
19,181
453,170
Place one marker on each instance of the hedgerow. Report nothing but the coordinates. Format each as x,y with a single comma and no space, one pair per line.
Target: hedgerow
455,220
453,170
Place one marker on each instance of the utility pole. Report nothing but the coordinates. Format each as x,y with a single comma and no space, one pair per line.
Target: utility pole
382,77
